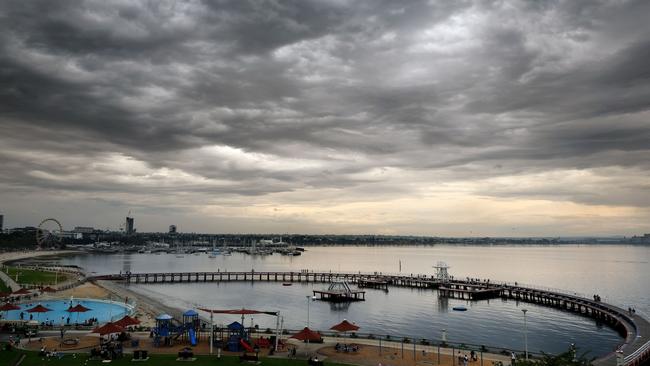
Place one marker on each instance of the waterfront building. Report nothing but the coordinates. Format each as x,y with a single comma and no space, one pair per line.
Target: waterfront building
172,229
129,227
84,229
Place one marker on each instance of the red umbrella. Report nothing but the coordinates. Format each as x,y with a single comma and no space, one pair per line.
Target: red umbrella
9,306
4,294
108,328
307,335
38,309
344,327
127,321
78,309
22,291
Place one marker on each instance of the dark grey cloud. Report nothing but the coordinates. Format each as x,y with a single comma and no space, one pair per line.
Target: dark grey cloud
231,99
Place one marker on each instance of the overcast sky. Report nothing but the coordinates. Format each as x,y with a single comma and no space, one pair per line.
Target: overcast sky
451,118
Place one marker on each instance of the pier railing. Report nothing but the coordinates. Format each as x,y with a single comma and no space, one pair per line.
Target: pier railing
638,355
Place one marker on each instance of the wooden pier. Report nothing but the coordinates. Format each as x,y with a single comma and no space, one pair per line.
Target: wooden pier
373,282
466,291
633,328
340,296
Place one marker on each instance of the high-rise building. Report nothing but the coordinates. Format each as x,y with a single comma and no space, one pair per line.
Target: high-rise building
172,229
129,225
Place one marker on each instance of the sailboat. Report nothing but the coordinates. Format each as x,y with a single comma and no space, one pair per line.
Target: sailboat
214,253
180,253
225,251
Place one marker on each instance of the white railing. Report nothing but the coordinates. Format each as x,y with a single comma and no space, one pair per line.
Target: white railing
632,356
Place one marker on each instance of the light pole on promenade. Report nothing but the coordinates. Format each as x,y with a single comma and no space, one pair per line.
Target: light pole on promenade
308,298
525,334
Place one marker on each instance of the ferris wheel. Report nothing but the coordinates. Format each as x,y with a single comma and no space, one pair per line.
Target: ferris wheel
49,232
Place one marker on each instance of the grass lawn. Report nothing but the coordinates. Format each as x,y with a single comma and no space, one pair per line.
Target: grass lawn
10,357
31,276
4,287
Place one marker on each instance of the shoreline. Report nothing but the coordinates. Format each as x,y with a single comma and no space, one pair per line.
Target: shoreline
146,308
8,257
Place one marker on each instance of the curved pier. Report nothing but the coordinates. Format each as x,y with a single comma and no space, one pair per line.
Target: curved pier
634,329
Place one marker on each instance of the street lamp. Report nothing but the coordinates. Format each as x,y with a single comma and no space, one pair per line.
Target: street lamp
308,298
525,334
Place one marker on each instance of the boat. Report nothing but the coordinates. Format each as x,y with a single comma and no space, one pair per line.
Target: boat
287,284
459,308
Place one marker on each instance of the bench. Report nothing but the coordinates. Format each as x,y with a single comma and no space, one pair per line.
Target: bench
140,355
248,358
311,362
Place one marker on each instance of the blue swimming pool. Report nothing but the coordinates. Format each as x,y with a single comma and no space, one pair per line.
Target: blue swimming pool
102,310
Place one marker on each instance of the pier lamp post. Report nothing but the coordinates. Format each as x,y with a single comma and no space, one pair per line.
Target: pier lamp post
308,298
525,334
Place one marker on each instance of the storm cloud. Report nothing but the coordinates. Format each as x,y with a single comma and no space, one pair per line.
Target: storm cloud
416,117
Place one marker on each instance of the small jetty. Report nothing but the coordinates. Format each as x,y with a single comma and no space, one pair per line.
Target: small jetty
340,291
373,282
468,291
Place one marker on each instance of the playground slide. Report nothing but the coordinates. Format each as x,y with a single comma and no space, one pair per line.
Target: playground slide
246,346
192,337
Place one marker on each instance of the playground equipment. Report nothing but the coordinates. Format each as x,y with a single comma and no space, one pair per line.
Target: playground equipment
163,330
191,327
166,331
238,338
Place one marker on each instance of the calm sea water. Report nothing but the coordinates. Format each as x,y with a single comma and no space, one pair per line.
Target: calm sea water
619,274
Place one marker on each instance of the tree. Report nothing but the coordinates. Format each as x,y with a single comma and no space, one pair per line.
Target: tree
568,358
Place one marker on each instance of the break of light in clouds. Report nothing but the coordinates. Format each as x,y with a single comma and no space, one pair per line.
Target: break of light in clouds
417,117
